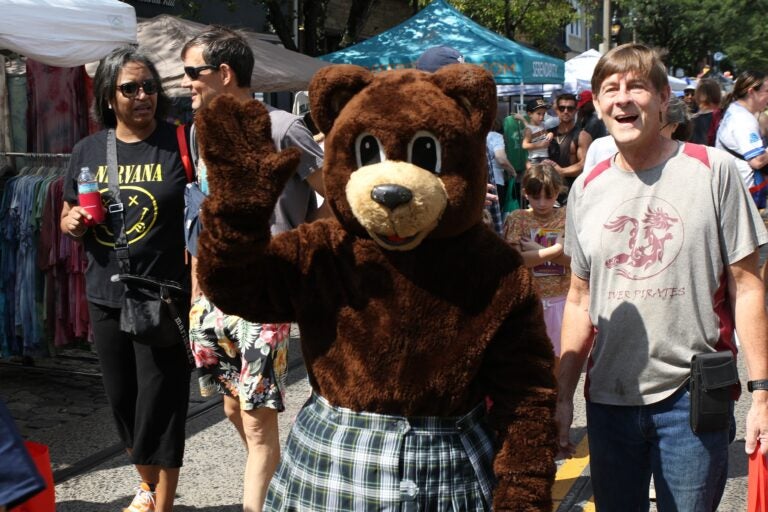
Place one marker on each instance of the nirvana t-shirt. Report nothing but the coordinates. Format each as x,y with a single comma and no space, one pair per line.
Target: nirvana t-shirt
152,181
654,246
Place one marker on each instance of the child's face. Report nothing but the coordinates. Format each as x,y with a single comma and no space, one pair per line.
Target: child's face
542,203
537,116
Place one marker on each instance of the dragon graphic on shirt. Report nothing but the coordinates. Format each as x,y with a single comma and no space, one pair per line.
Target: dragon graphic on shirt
646,250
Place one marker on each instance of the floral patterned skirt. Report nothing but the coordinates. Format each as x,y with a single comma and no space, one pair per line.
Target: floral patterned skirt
241,359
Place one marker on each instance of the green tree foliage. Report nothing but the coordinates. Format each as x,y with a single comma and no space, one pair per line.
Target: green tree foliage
539,23
691,31
742,25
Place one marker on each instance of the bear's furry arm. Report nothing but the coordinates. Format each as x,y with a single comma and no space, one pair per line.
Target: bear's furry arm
517,371
246,176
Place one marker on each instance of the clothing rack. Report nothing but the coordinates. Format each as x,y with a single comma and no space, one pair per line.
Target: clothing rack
10,158
13,155
36,155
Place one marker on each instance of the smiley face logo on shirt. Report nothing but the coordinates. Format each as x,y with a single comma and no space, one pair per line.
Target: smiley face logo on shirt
140,216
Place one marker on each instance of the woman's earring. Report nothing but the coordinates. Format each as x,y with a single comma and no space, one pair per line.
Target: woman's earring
109,105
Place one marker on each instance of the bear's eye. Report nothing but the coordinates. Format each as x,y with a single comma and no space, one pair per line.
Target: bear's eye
424,151
368,150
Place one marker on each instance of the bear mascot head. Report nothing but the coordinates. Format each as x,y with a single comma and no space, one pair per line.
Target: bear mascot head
412,166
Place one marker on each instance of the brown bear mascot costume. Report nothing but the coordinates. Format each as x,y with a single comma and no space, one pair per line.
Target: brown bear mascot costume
422,335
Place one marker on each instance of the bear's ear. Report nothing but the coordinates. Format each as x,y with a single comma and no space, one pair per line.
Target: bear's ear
331,88
473,88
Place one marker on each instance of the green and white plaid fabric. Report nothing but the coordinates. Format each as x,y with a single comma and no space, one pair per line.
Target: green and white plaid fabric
338,460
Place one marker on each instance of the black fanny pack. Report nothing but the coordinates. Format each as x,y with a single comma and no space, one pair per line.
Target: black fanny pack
712,376
151,311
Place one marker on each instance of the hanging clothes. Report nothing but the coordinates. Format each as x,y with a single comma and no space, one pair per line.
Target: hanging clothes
42,299
57,113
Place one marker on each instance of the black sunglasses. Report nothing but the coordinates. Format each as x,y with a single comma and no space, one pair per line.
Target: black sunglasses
566,108
193,72
131,89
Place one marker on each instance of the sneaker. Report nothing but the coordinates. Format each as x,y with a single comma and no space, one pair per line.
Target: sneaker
144,501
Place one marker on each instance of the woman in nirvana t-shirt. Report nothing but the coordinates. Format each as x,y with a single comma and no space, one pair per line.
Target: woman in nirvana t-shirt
147,385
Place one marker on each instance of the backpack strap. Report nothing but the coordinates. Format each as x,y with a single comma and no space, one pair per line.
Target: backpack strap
181,136
757,188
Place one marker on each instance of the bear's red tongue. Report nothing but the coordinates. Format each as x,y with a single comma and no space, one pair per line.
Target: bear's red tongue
395,239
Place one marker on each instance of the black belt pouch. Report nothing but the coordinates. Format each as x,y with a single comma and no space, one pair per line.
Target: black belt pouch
712,376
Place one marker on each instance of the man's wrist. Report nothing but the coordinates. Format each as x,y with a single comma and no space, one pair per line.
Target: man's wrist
757,385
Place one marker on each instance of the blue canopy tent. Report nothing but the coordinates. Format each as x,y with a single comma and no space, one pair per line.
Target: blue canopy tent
441,24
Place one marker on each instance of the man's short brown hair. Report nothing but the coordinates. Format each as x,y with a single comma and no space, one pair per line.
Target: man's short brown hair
566,96
627,58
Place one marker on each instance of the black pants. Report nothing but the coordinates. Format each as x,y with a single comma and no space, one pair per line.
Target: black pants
147,388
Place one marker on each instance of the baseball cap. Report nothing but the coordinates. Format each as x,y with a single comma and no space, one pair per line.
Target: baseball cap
437,57
584,98
536,104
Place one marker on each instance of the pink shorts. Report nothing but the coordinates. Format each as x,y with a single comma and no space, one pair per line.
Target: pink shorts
553,317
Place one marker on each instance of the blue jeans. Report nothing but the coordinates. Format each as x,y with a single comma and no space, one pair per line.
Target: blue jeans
629,443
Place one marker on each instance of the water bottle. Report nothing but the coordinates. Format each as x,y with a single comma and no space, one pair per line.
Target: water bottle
89,197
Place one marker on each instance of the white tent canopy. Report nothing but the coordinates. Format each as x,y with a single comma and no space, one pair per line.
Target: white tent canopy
578,71
680,84
65,33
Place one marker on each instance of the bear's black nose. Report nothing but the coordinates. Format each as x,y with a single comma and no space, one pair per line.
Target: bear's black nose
390,195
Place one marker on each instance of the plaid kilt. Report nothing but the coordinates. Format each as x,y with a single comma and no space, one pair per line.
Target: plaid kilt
336,459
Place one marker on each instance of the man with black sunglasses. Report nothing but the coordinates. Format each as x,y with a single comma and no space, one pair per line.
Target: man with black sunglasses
249,372
564,153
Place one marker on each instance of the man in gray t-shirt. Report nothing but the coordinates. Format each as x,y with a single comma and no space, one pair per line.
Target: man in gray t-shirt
243,361
663,241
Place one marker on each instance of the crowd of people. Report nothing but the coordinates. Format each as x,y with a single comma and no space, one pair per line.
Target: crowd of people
641,237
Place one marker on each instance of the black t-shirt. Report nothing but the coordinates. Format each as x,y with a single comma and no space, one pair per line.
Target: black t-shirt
701,123
152,181
595,127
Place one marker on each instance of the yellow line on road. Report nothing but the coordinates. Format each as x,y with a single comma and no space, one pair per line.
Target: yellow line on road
569,471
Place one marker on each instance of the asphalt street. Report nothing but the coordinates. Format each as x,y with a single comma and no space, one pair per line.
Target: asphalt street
61,403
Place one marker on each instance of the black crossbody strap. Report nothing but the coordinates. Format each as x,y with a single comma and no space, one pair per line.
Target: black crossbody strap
176,317
732,152
116,210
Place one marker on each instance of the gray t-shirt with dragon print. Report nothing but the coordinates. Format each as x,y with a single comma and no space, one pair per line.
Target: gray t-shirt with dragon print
654,247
